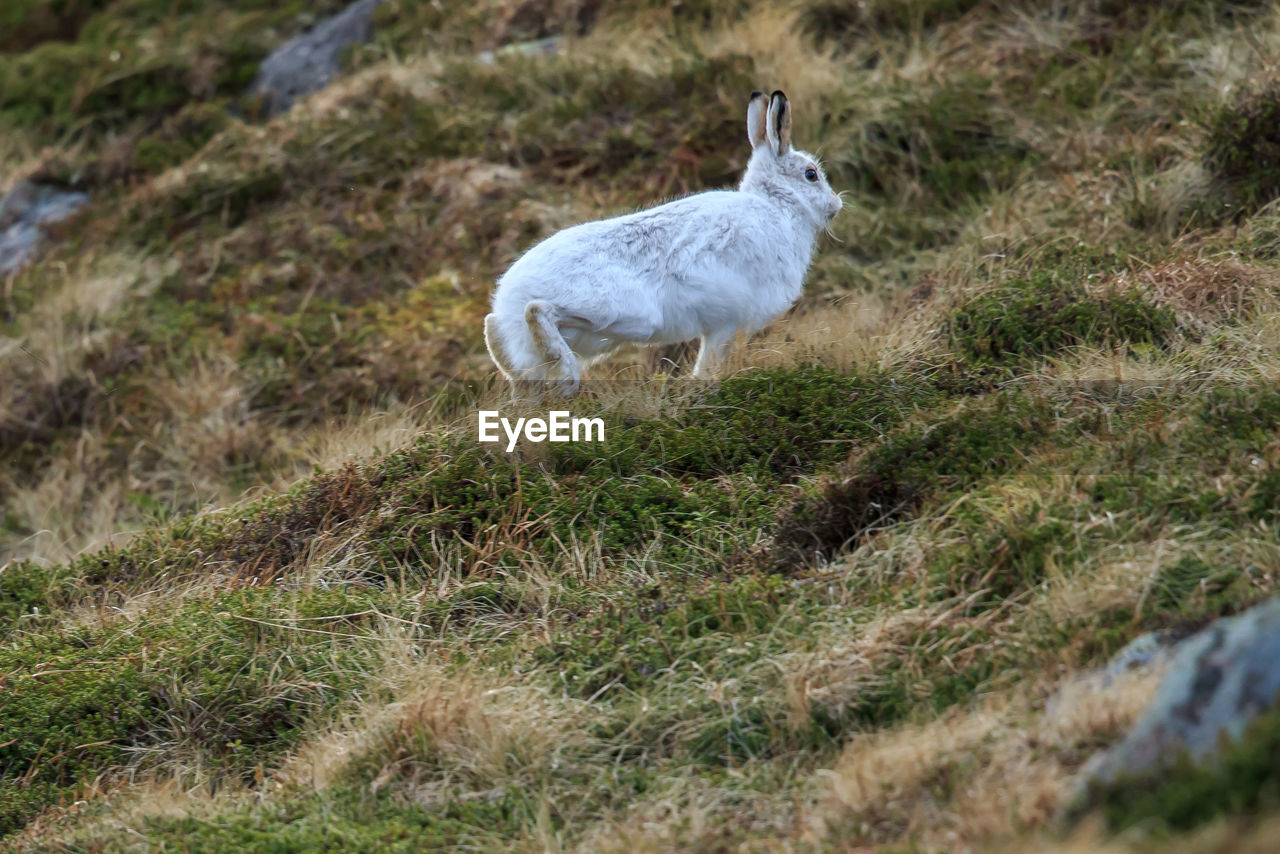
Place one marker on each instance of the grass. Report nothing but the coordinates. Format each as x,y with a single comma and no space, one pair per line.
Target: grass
262,588
221,681
1043,316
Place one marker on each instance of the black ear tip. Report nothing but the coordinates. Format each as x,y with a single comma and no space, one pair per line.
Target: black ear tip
755,95
778,93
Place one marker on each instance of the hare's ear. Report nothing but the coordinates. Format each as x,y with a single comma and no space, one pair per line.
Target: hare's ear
756,118
778,123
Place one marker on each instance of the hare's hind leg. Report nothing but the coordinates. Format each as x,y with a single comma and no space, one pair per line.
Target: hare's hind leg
711,353
541,317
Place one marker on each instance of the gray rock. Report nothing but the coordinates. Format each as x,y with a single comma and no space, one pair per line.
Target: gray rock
1143,651
18,243
309,62
1216,682
23,210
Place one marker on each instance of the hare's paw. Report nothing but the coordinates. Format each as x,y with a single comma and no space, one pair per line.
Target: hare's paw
568,386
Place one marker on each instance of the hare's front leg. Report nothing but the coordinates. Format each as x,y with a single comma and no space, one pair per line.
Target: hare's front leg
712,352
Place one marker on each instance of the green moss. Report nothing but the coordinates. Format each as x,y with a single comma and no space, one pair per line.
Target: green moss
627,642
925,685
129,65
908,467
1242,148
564,120
472,494
1241,415
178,138
1044,314
40,86
706,473
222,676
1191,585
152,88
229,197
1003,557
652,642
288,15
372,143
406,27
60,88
649,642
297,357
393,132
351,818
23,586
766,424
186,546
913,686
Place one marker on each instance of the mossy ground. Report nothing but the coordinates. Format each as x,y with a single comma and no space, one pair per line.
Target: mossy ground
265,590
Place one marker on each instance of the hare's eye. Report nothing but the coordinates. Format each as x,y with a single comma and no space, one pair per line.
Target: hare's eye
811,174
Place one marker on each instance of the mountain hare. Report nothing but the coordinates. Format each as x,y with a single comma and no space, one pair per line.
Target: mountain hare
705,266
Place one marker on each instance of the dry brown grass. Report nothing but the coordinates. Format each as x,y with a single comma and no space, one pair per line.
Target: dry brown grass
70,317
127,810
971,778
19,157
443,728
689,814
785,59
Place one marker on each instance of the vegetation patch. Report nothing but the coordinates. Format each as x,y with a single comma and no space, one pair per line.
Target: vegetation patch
1242,149
941,145
1044,315
767,424
351,818
225,681
626,643
711,469
102,87
566,130
837,22
911,466
26,23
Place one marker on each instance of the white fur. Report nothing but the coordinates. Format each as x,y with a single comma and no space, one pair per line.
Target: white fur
705,266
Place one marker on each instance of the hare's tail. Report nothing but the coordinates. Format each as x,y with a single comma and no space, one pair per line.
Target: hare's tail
493,342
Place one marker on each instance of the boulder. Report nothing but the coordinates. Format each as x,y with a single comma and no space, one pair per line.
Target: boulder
1216,682
1143,651
307,63
23,212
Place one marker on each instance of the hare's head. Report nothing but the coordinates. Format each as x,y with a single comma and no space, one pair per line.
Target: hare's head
780,171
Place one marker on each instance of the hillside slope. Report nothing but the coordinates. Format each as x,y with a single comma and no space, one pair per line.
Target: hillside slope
263,588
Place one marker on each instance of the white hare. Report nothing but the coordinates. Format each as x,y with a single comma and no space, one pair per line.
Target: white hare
705,266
